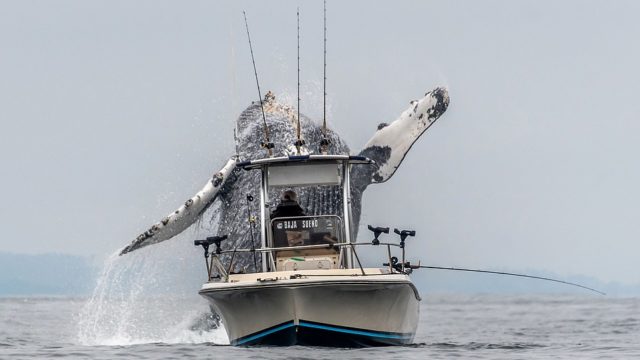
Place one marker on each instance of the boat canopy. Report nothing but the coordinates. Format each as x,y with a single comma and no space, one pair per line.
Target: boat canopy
305,171
284,160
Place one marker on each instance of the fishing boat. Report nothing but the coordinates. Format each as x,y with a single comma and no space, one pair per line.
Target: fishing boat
307,285
312,288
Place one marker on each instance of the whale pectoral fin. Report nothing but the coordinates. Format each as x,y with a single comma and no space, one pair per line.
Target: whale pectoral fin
187,214
390,144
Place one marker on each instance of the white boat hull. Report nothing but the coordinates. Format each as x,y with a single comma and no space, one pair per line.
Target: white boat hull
317,308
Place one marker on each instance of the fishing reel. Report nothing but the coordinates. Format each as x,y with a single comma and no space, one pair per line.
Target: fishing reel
405,267
267,145
394,264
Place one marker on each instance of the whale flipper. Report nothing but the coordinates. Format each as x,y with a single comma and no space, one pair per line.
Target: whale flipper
390,144
187,214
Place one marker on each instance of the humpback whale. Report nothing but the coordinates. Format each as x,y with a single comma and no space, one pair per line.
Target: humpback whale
230,186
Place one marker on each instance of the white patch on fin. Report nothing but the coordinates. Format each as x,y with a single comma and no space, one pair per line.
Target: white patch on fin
396,139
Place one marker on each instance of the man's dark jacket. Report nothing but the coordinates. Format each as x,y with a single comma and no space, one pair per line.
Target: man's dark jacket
287,208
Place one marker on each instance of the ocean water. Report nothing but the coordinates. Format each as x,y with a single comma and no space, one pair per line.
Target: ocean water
463,326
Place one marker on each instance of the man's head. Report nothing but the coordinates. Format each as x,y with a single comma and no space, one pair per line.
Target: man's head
289,195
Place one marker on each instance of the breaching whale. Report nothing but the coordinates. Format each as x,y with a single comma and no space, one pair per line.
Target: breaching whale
230,186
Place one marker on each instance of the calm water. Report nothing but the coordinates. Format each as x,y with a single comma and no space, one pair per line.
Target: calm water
481,327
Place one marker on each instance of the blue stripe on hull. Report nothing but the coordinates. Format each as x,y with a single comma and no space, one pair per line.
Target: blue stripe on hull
374,334
317,334
264,334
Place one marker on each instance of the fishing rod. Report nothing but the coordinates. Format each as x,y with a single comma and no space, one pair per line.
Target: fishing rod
267,144
324,143
407,268
232,71
506,273
299,143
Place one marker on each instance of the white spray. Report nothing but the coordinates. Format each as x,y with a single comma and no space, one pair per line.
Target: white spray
150,297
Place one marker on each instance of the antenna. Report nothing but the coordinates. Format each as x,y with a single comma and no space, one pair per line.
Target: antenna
324,143
299,142
267,144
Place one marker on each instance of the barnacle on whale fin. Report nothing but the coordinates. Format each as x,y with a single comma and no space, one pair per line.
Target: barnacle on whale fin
217,179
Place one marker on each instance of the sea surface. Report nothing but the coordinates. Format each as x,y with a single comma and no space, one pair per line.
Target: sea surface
451,326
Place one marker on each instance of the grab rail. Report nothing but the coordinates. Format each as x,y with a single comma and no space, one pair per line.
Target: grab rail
306,247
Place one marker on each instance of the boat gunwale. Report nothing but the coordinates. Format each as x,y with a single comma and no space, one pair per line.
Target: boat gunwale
320,281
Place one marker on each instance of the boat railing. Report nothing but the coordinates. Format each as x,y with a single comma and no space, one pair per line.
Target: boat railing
213,259
305,247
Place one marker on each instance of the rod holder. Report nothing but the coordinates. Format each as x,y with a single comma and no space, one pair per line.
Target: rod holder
403,236
376,232
211,240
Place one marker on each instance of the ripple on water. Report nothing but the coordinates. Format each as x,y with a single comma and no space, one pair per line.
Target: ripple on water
479,346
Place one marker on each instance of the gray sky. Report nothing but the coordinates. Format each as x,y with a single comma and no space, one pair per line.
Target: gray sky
115,112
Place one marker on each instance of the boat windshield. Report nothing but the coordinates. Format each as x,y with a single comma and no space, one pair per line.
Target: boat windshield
306,205
306,230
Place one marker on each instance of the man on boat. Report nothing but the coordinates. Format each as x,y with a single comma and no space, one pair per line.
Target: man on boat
288,206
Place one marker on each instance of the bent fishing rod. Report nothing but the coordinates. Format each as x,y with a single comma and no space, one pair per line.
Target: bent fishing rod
509,274
406,267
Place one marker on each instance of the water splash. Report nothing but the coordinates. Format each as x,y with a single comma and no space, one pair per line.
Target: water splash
150,297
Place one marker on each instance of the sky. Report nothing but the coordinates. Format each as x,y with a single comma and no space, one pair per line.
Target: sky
115,112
